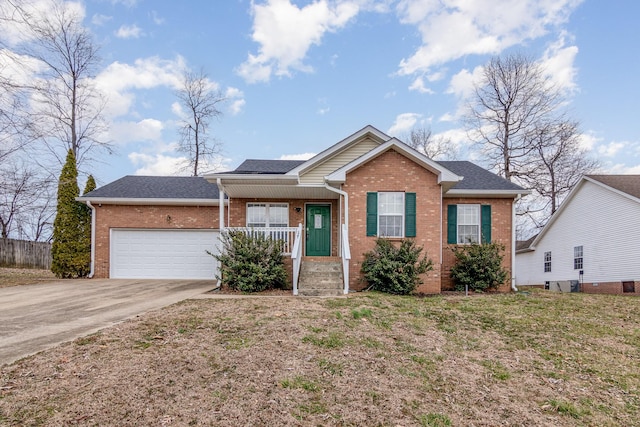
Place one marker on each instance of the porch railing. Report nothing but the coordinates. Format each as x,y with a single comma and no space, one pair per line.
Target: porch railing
296,257
346,256
286,234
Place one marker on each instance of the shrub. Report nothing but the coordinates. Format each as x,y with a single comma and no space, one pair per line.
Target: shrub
395,270
479,267
251,263
68,246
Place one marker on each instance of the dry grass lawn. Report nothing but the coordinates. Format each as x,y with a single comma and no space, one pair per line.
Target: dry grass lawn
23,276
542,359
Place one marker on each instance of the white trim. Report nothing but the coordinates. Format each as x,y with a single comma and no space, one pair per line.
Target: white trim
403,213
444,174
330,225
161,202
267,204
485,193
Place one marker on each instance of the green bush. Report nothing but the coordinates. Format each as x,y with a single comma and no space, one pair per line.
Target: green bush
395,270
69,246
251,263
479,267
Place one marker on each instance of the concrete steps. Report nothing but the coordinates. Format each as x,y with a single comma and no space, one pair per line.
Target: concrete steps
320,276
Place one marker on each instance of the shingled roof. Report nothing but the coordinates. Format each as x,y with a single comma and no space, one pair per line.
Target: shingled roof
156,187
255,166
629,184
477,178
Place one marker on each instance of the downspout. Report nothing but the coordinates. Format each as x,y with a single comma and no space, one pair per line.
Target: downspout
93,239
346,202
220,204
513,243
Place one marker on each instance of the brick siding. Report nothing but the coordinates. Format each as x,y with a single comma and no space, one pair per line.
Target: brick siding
141,217
500,233
391,171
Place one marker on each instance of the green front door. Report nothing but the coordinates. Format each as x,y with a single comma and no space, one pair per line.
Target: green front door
318,229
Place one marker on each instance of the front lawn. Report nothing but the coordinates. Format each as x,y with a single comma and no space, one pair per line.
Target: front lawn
543,359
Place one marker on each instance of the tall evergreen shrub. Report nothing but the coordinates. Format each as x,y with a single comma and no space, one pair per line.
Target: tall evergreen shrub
85,226
68,243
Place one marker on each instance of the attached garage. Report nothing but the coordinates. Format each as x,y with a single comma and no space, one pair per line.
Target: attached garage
163,254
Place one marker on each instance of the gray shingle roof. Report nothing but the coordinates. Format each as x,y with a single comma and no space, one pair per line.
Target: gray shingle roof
157,187
629,184
254,166
477,178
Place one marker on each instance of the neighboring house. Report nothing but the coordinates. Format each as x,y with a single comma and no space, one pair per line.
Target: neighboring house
592,240
331,207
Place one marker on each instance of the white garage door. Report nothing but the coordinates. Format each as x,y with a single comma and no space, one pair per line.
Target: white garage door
163,254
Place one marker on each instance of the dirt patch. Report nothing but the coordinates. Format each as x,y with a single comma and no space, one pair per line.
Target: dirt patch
23,276
366,360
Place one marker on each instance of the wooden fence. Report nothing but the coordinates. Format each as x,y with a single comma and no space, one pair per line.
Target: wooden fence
25,254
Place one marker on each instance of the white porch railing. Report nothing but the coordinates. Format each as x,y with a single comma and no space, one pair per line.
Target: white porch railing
346,256
286,234
296,257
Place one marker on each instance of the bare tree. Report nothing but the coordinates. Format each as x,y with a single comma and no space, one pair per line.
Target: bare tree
68,105
200,99
440,148
558,164
20,190
513,95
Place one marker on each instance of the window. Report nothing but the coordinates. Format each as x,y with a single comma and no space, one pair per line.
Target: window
267,215
577,258
391,214
467,224
547,262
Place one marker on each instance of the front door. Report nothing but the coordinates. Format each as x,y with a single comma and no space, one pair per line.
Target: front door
318,229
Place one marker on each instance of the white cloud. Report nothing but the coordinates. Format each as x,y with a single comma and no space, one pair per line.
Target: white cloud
286,32
156,18
461,84
301,156
453,29
129,32
611,149
404,123
558,62
236,100
14,31
99,19
119,81
418,85
158,164
143,130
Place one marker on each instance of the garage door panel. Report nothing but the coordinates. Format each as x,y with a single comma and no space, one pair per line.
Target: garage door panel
163,254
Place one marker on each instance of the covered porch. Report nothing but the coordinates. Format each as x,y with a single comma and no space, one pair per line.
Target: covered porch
309,220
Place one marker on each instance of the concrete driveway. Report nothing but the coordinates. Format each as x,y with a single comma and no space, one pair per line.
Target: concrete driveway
36,317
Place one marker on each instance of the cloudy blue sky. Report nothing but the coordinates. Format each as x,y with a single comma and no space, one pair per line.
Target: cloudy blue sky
300,75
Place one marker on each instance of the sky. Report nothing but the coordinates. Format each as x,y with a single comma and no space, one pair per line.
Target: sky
299,76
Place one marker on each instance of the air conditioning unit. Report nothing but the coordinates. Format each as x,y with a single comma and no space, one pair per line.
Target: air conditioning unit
564,286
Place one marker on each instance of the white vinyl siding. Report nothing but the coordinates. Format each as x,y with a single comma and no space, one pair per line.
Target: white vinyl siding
605,223
317,174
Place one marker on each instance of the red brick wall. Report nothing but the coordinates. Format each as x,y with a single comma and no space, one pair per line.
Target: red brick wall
500,233
609,288
392,171
121,216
